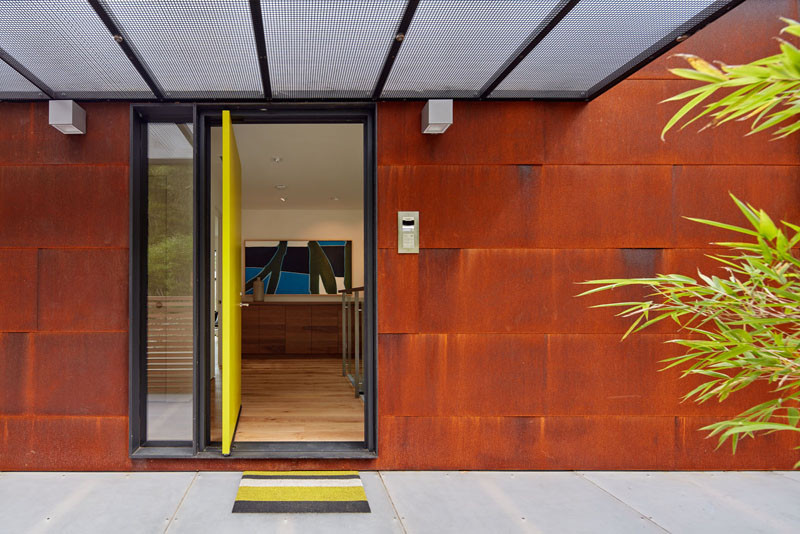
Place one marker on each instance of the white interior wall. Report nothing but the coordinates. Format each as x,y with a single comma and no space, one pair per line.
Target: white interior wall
300,224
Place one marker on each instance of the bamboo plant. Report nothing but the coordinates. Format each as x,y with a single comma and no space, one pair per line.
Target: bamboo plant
736,330
744,327
766,91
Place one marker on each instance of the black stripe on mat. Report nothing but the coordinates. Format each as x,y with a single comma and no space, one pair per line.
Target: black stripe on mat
317,507
301,477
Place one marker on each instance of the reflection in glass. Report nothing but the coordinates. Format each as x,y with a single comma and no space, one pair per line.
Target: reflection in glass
170,344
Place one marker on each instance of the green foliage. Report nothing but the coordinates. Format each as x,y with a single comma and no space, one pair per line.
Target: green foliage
169,229
169,266
766,91
737,330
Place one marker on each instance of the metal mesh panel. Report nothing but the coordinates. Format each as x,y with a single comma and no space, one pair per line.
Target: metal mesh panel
328,48
193,48
594,40
14,86
453,47
166,141
64,44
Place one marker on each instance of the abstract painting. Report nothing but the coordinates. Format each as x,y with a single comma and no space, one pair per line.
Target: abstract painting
298,267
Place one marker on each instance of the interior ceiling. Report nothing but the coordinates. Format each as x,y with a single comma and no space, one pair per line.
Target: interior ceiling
318,163
168,50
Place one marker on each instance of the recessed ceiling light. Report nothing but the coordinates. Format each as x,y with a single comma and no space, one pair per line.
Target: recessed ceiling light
277,159
280,186
334,198
283,199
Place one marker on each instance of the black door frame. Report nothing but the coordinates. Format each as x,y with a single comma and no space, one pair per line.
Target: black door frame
206,116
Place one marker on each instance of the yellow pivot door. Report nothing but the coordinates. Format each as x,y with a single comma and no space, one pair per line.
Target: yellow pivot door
231,323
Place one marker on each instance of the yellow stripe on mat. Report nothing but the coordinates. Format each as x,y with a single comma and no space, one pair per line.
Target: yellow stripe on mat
250,493
301,492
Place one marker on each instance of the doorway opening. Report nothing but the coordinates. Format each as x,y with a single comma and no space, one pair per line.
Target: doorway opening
301,277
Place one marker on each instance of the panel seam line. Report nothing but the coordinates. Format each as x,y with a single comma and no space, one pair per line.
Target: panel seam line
180,503
625,504
394,507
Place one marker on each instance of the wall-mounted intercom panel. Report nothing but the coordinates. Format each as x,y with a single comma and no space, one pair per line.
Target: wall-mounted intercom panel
408,232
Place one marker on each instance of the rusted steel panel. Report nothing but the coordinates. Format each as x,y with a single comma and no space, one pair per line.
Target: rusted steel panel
522,206
609,442
26,138
599,374
63,443
608,206
623,126
507,290
742,35
461,206
16,378
64,206
496,133
694,450
398,290
687,261
456,442
572,314
463,374
81,373
18,290
254,465
83,289
703,192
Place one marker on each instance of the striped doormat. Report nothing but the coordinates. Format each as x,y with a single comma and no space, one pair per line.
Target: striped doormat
300,491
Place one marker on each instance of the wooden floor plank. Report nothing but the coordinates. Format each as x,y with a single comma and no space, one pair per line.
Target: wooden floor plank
293,399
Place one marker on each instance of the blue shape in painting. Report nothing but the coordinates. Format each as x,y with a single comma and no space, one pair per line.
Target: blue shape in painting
331,243
292,284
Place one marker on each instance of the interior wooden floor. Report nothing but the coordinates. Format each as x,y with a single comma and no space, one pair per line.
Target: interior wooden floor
293,399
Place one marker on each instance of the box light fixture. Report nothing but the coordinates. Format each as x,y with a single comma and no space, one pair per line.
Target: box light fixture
437,116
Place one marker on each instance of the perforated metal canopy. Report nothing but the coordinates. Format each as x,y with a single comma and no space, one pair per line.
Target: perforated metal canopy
256,50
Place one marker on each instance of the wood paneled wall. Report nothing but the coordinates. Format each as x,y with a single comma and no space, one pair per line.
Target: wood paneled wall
487,360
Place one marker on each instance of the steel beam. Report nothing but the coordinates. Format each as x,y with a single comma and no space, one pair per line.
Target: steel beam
558,13
261,46
397,42
126,47
25,73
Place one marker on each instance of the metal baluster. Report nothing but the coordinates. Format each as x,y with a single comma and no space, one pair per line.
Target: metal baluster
344,339
348,321
362,304
356,347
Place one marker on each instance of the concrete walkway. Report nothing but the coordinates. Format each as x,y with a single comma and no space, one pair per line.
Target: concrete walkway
413,502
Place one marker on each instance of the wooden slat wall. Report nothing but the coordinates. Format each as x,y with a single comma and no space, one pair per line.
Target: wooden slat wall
170,344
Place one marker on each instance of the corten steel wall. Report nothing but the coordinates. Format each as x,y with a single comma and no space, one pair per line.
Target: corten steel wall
63,290
487,361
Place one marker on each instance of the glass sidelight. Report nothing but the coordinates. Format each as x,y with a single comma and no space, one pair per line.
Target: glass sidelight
170,309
